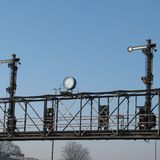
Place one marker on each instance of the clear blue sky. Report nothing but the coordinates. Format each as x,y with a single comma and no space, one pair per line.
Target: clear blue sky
87,39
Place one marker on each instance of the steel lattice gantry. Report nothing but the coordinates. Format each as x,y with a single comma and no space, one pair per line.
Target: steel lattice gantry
100,115
133,114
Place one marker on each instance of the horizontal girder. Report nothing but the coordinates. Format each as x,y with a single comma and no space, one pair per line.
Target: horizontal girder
98,115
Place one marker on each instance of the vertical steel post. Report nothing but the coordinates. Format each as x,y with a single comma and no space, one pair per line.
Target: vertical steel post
147,117
99,125
52,150
155,149
53,108
91,112
44,116
25,117
57,108
108,117
127,113
118,104
4,121
148,79
136,126
11,90
80,118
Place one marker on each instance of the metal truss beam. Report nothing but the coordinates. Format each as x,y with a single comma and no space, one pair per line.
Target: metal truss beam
80,116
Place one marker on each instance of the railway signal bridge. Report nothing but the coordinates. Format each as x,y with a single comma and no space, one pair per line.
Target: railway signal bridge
121,114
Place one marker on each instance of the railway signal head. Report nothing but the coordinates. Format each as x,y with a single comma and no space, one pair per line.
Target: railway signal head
69,83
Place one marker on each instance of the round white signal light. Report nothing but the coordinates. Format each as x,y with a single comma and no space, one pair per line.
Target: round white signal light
69,83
